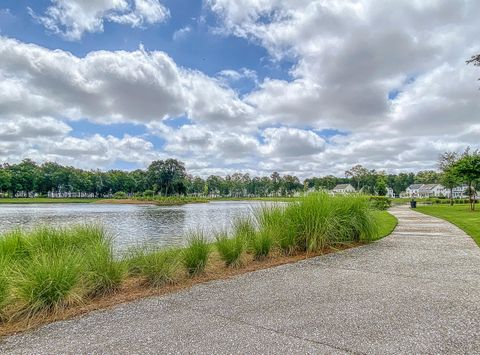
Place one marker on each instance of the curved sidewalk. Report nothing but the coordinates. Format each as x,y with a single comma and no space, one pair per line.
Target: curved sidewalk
416,291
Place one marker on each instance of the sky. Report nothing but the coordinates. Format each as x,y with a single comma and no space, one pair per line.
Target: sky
304,87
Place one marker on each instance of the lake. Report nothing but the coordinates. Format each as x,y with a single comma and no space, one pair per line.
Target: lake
131,224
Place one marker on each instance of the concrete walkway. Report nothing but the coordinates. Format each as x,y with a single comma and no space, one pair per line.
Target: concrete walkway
416,291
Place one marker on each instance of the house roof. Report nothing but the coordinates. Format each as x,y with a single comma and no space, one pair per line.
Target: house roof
342,186
415,186
429,186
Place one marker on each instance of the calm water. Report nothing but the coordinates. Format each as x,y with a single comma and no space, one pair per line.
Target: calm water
131,224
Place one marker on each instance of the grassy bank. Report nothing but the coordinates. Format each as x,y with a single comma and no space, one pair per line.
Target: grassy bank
27,201
160,201
460,215
386,224
48,274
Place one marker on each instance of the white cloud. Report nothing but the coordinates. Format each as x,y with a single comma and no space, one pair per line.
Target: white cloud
291,142
181,33
72,18
108,87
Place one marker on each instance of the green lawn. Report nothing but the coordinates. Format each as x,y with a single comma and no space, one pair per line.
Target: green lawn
386,222
46,200
460,215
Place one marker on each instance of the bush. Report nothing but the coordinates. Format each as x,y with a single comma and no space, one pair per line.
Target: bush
148,193
48,282
380,203
158,267
273,221
230,249
120,195
261,245
318,220
196,254
104,274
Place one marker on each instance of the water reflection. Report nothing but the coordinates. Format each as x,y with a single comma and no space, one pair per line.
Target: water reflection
131,224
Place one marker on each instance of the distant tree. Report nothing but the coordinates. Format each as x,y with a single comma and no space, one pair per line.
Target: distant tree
276,182
290,184
427,177
449,177
468,169
5,179
475,60
381,187
25,177
167,176
358,175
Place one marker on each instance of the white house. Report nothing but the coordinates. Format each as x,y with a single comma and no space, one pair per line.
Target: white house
432,190
458,192
390,192
343,189
426,190
412,190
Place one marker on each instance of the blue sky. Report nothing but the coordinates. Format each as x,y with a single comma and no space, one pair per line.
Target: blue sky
302,87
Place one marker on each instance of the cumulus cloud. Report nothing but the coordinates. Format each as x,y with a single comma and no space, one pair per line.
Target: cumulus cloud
108,87
72,18
349,56
181,33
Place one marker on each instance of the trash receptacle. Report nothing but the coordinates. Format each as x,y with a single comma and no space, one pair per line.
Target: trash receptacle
413,204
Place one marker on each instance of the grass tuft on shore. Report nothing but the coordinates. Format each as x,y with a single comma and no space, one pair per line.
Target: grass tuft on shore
230,249
158,267
47,283
196,254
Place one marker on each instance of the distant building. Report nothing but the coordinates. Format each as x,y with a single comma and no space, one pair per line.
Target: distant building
343,189
458,192
413,190
390,192
426,190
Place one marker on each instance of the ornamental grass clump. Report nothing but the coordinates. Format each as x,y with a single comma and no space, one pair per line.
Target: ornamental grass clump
103,273
195,255
271,220
158,267
230,249
244,228
357,217
261,245
47,283
13,247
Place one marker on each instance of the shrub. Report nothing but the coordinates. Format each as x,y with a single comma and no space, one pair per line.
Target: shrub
196,254
120,195
47,283
273,221
261,245
357,218
148,193
381,203
158,267
104,274
318,220
230,249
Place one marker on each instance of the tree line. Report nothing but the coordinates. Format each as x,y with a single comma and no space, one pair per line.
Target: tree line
170,177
